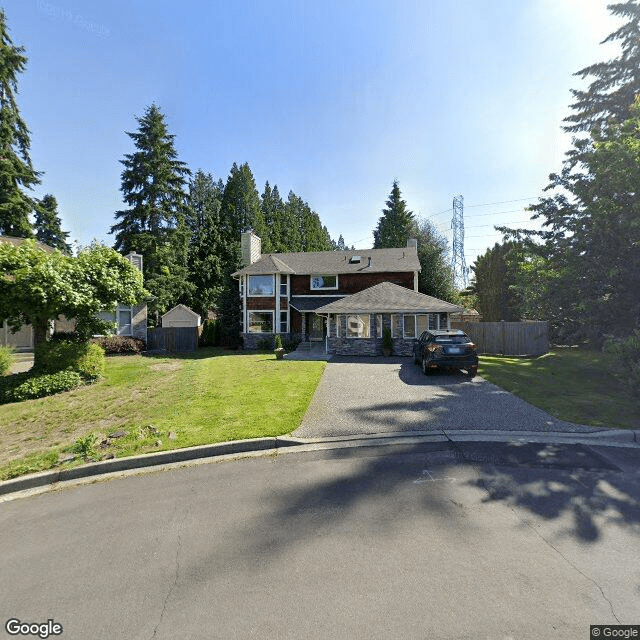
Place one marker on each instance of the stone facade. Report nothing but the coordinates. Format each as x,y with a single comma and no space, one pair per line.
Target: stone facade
371,346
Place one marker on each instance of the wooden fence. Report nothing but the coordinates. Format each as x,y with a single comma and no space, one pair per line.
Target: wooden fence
508,338
173,339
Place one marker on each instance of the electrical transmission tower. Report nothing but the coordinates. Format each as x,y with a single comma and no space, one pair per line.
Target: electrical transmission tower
458,264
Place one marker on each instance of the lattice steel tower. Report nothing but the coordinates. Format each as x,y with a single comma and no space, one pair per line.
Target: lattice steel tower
458,264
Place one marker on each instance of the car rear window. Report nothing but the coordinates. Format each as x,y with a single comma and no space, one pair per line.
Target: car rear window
452,339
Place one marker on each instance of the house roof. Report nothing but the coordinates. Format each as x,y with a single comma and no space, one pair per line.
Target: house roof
335,262
388,298
311,303
181,308
18,241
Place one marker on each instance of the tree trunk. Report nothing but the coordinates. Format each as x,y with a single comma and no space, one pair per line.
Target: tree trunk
40,329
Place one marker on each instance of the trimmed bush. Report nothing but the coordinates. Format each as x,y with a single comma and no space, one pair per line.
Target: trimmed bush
27,386
119,345
627,350
210,335
6,360
84,357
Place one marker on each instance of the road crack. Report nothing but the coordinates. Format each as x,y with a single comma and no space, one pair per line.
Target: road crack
571,564
176,573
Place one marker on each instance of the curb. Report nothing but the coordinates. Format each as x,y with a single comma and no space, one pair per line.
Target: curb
291,444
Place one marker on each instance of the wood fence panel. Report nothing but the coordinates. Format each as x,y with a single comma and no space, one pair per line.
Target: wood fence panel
508,338
173,339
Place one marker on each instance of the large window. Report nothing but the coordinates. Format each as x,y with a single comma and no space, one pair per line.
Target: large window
422,324
284,327
260,321
283,285
358,326
409,326
261,286
324,282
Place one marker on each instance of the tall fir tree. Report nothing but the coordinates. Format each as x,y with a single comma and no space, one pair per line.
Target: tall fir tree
240,210
435,277
397,223
272,212
16,171
615,83
47,225
205,247
153,185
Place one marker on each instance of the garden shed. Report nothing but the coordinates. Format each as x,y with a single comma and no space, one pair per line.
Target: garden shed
181,316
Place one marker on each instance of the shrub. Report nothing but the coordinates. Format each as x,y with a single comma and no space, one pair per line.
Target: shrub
292,343
27,385
65,336
277,342
627,350
119,345
85,446
6,360
84,357
210,336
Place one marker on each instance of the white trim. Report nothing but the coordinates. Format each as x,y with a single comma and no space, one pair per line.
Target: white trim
271,311
261,295
415,281
379,324
365,324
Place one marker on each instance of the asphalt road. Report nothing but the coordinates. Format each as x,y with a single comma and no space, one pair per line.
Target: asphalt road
383,395
438,540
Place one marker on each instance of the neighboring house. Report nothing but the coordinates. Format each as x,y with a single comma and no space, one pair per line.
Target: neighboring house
181,316
131,321
341,298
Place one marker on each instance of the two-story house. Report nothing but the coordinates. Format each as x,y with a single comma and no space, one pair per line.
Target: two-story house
341,298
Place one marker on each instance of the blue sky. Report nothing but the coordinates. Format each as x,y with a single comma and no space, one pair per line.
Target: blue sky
333,100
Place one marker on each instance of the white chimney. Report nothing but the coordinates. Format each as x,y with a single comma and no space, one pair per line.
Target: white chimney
251,247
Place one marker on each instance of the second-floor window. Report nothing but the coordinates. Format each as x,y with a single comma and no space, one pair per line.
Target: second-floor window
261,286
321,281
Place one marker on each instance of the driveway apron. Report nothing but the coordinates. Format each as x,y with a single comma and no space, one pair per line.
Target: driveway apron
359,396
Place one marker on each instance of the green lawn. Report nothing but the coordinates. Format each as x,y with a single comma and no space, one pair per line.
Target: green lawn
213,396
577,385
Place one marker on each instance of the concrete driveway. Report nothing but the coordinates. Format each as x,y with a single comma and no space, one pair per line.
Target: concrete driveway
381,395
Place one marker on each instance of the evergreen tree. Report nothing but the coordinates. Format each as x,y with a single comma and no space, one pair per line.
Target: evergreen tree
153,182
16,170
435,277
493,282
397,223
240,209
205,247
616,82
48,225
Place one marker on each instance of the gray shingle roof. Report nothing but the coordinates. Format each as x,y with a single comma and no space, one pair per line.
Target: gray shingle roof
388,298
18,241
311,303
336,262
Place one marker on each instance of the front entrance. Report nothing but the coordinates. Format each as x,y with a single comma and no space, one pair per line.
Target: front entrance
317,328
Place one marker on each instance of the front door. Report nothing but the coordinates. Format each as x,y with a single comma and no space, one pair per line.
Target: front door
317,328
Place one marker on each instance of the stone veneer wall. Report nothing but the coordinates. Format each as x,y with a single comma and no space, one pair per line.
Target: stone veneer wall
251,341
372,346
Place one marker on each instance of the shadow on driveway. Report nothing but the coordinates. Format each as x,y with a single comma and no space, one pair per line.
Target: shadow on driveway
382,395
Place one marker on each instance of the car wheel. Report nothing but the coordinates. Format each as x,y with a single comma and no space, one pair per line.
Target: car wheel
473,372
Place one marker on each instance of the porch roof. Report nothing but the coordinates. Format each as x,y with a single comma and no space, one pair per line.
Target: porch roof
311,303
388,298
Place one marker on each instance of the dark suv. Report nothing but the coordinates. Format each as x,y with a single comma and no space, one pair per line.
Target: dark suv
446,350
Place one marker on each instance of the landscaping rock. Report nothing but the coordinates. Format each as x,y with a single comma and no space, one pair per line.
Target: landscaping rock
158,443
118,434
108,456
172,435
66,457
